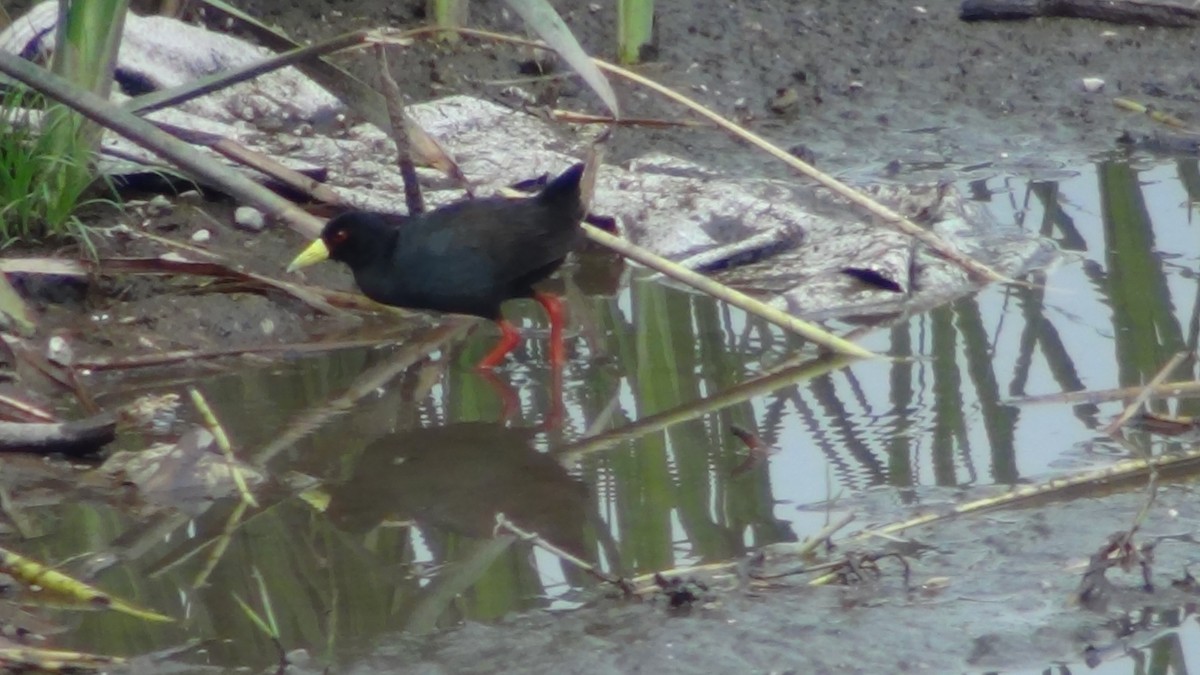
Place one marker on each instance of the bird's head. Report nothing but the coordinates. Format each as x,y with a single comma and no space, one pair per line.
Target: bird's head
354,236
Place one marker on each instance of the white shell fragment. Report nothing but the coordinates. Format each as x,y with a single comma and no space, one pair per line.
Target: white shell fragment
249,219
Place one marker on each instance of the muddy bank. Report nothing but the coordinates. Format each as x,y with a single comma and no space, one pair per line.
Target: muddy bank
874,82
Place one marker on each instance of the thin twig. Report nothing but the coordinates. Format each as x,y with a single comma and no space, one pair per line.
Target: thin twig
220,544
240,154
26,408
395,105
725,293
1137,403
1151,496
1103,395
156,359
811,543
504,524
572,117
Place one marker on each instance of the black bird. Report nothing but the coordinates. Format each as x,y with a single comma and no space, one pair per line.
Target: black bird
464,258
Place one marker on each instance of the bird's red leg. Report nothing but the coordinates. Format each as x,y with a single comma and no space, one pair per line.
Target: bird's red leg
509,339
554,311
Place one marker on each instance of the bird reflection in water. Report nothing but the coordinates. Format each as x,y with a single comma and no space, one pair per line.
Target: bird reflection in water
456,478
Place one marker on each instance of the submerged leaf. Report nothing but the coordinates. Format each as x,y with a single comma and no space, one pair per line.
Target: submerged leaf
32,659
33,573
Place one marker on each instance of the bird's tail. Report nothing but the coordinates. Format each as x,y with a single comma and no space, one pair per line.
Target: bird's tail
563,191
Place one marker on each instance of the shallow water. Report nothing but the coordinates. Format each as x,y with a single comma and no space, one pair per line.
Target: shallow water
644,472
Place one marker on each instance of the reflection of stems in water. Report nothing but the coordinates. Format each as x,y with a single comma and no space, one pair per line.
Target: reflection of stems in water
1039,330
840,435
1193,336
450,584
220,544
268,625
1146,328
503,523
569,454
199,542
364,385
998,420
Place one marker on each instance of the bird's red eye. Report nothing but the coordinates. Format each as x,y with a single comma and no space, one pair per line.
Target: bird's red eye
338,236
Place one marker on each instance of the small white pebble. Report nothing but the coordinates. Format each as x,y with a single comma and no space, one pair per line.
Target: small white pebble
58,350
268,326
201,236
1092,84
158,206
249,219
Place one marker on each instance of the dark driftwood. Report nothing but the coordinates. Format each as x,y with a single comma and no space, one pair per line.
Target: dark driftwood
1146,13
78,437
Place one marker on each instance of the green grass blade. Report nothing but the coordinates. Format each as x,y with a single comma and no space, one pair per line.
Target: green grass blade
546,22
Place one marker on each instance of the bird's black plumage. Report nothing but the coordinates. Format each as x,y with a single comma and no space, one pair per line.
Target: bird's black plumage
467,257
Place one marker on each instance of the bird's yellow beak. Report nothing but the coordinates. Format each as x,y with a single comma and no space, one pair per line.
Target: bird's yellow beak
315,253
